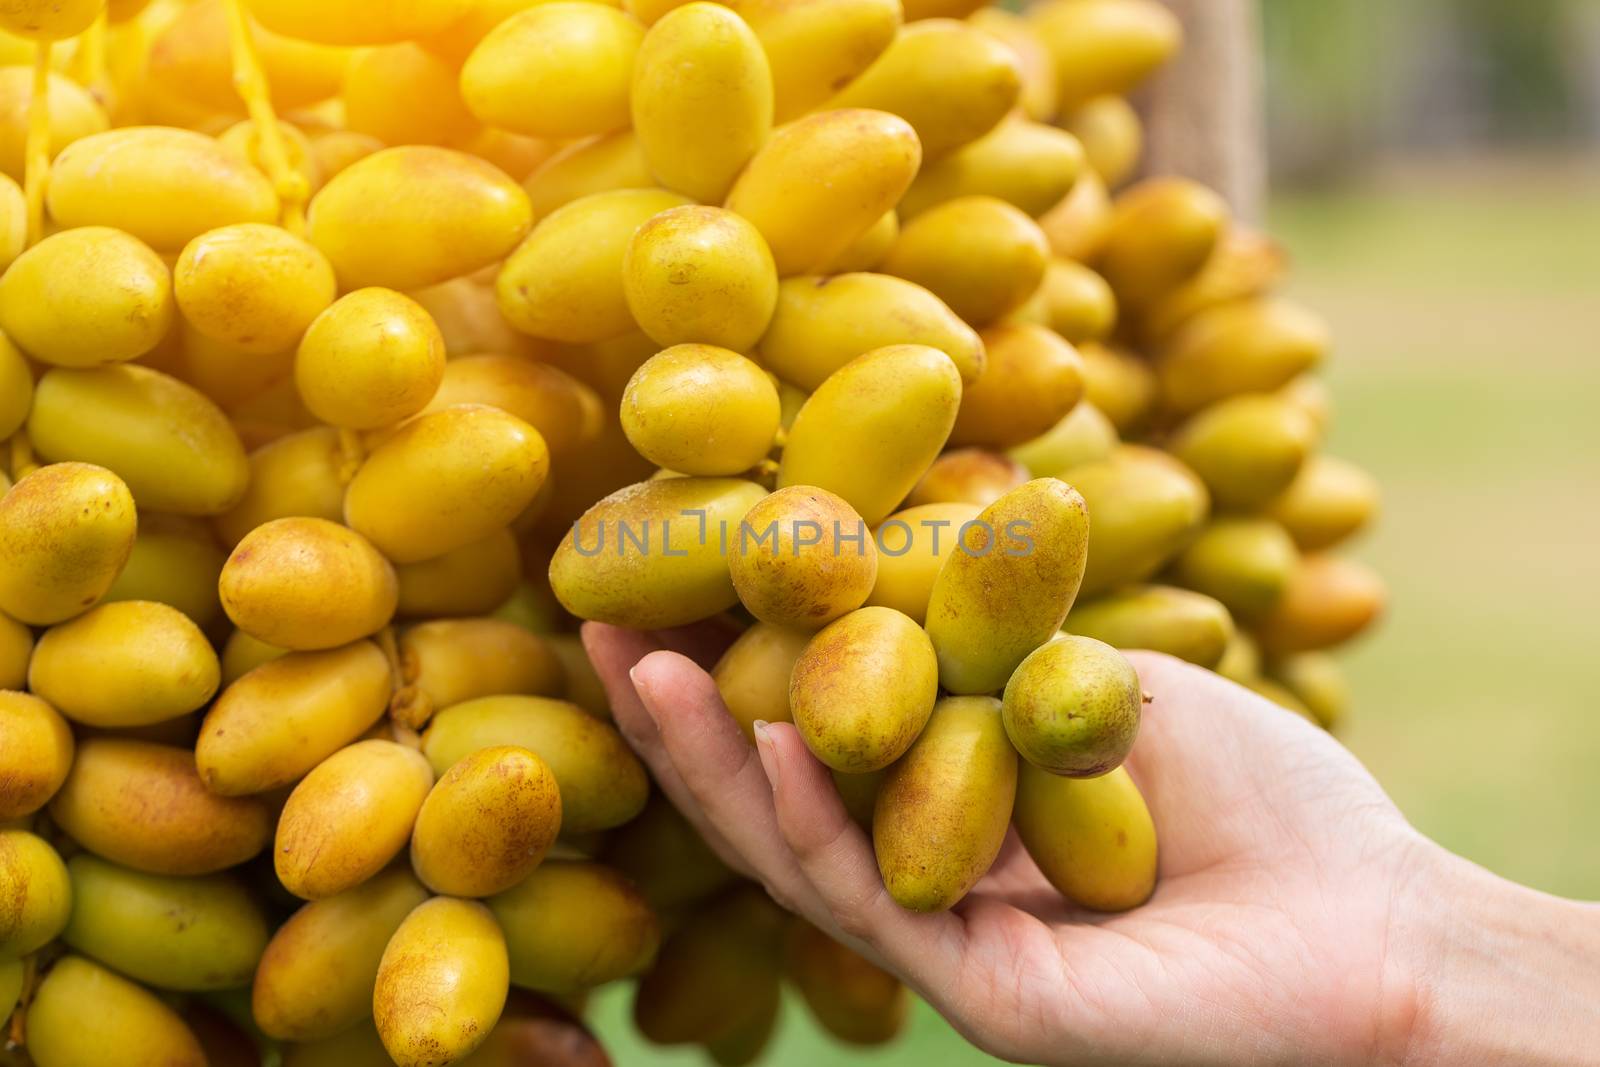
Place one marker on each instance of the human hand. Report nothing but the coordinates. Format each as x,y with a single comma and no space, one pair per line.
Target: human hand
1292,923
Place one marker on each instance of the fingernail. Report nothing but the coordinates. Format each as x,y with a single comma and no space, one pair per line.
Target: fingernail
644,697
768,754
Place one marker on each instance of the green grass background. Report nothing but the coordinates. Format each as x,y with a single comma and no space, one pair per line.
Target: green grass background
1466,304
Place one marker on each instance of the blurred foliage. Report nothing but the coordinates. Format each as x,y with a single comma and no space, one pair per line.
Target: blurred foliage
1351,80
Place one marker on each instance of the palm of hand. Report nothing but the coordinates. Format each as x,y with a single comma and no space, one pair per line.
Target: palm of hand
1280,863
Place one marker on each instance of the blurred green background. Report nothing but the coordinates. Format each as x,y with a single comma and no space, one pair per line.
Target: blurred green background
1436,172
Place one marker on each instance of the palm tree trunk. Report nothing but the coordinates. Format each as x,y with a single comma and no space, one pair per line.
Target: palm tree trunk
1203,114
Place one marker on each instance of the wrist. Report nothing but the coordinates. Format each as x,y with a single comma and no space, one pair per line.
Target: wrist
1492,973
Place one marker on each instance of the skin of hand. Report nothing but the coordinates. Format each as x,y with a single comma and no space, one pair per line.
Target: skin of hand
1298,919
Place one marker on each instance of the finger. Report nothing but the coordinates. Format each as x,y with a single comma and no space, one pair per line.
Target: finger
720,771
615,652
837,860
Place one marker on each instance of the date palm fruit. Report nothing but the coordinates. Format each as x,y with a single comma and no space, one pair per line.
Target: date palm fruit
448,661
371,359
349,817
1037,100
35,894
1112,136
1121,385
1241,660
701,410
1280,695
815,48
748,1038
1031,380
600,780
1145,508
900,402
533,1029
131,663
272,726
143,805
117,306
1244,563
1029,165
981,256
1245,346
822,323
316,975
1010,586
1246,449
589,165
184,934
36,750
349,22
66,531
863,689
444,480
11,979
1245,265
161,185
359,1046
307,584
125,1025
441,984
867,252
1329,601
16,377
702,102
666,858
1329,501
1160,234
16,651
1073,301
403,93
1159,618
252,286
1092,838
822,181
1106,46
753,675
555,72
242,654
296,475
714,972
175,561
700,274
574,925
365,219
953,83
803,559
1073,707
1083,437
968,476
174,448
851,998
943,808
566,281
1318,681
912,546
487,823
470,580
606,569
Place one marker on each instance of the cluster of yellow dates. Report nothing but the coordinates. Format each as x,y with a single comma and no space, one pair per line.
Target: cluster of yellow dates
351,351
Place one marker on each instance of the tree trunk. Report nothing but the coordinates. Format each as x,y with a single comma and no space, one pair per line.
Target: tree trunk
1204,113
